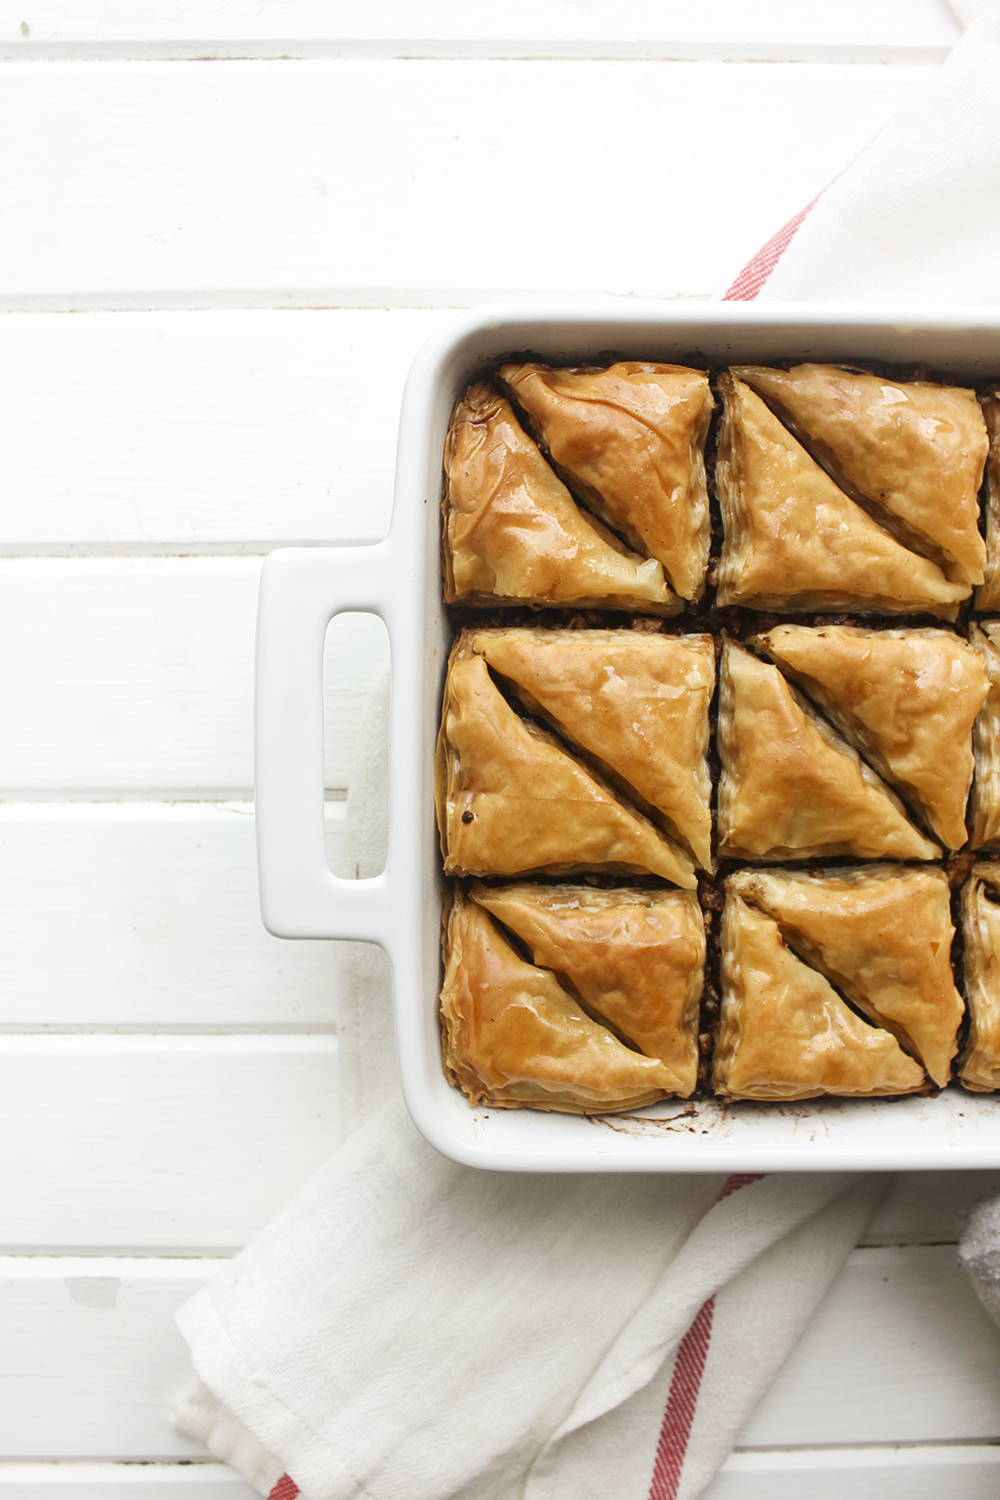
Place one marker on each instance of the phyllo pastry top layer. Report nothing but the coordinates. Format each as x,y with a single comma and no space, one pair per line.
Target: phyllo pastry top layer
906,699
631,441
911,450
514,534
635,959
986,741
882,935
980,1061
785,1033
511,800
791,787
794,540
512,1035
636,703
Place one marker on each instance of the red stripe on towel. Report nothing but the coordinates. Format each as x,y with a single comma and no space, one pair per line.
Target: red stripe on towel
285,1489
688,1369
749,283
689,1366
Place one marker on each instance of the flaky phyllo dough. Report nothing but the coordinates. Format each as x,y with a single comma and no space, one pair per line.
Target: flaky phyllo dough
512,1034
785,1033
634,959
980,1062
911,451
513,532
795,541
791,786
986,741
636,705
512,800
905,699
630,440
882,935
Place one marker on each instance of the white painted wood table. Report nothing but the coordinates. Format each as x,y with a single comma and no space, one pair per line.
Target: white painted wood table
224,231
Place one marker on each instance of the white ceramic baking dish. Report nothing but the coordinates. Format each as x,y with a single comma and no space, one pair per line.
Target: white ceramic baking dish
399,579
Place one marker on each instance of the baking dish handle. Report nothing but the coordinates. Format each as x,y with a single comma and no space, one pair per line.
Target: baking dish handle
301,589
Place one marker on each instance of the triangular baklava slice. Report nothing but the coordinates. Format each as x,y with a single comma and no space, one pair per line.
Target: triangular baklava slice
513,533
635,958
785,1033
636,703
979,1067
512,801
907,699
631,441
511,1035
794,541
791,787
988,594
883,936
912,450
985,812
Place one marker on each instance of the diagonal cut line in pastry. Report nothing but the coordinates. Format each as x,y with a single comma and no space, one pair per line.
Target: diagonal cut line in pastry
631,441
512,801
635,958
913,450
793,540
638,704
985,810
883,936
906,699
791,787
980,1062
511,1035
785,1033
988,594
513,531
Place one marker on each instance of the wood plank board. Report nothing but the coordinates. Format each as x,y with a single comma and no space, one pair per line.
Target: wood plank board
171,182
123,1481
895,1321
175,1143
209,431
134,676
145,916
917,1473
101,1349
849,30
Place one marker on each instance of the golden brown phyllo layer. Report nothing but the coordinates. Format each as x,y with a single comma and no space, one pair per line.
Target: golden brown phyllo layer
658,882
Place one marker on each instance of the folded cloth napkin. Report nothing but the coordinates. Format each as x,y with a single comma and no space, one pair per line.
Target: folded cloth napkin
409,1329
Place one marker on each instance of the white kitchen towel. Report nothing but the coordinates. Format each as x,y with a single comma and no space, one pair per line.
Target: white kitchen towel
408,1329
916,217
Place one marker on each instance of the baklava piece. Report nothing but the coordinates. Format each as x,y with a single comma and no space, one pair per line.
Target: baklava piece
636,704
511,1035
794,541
979,1066
985,818
513,533
906,699
511,800
785,1033
882,935
634,958
988,595
630,440
791,787
911,451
